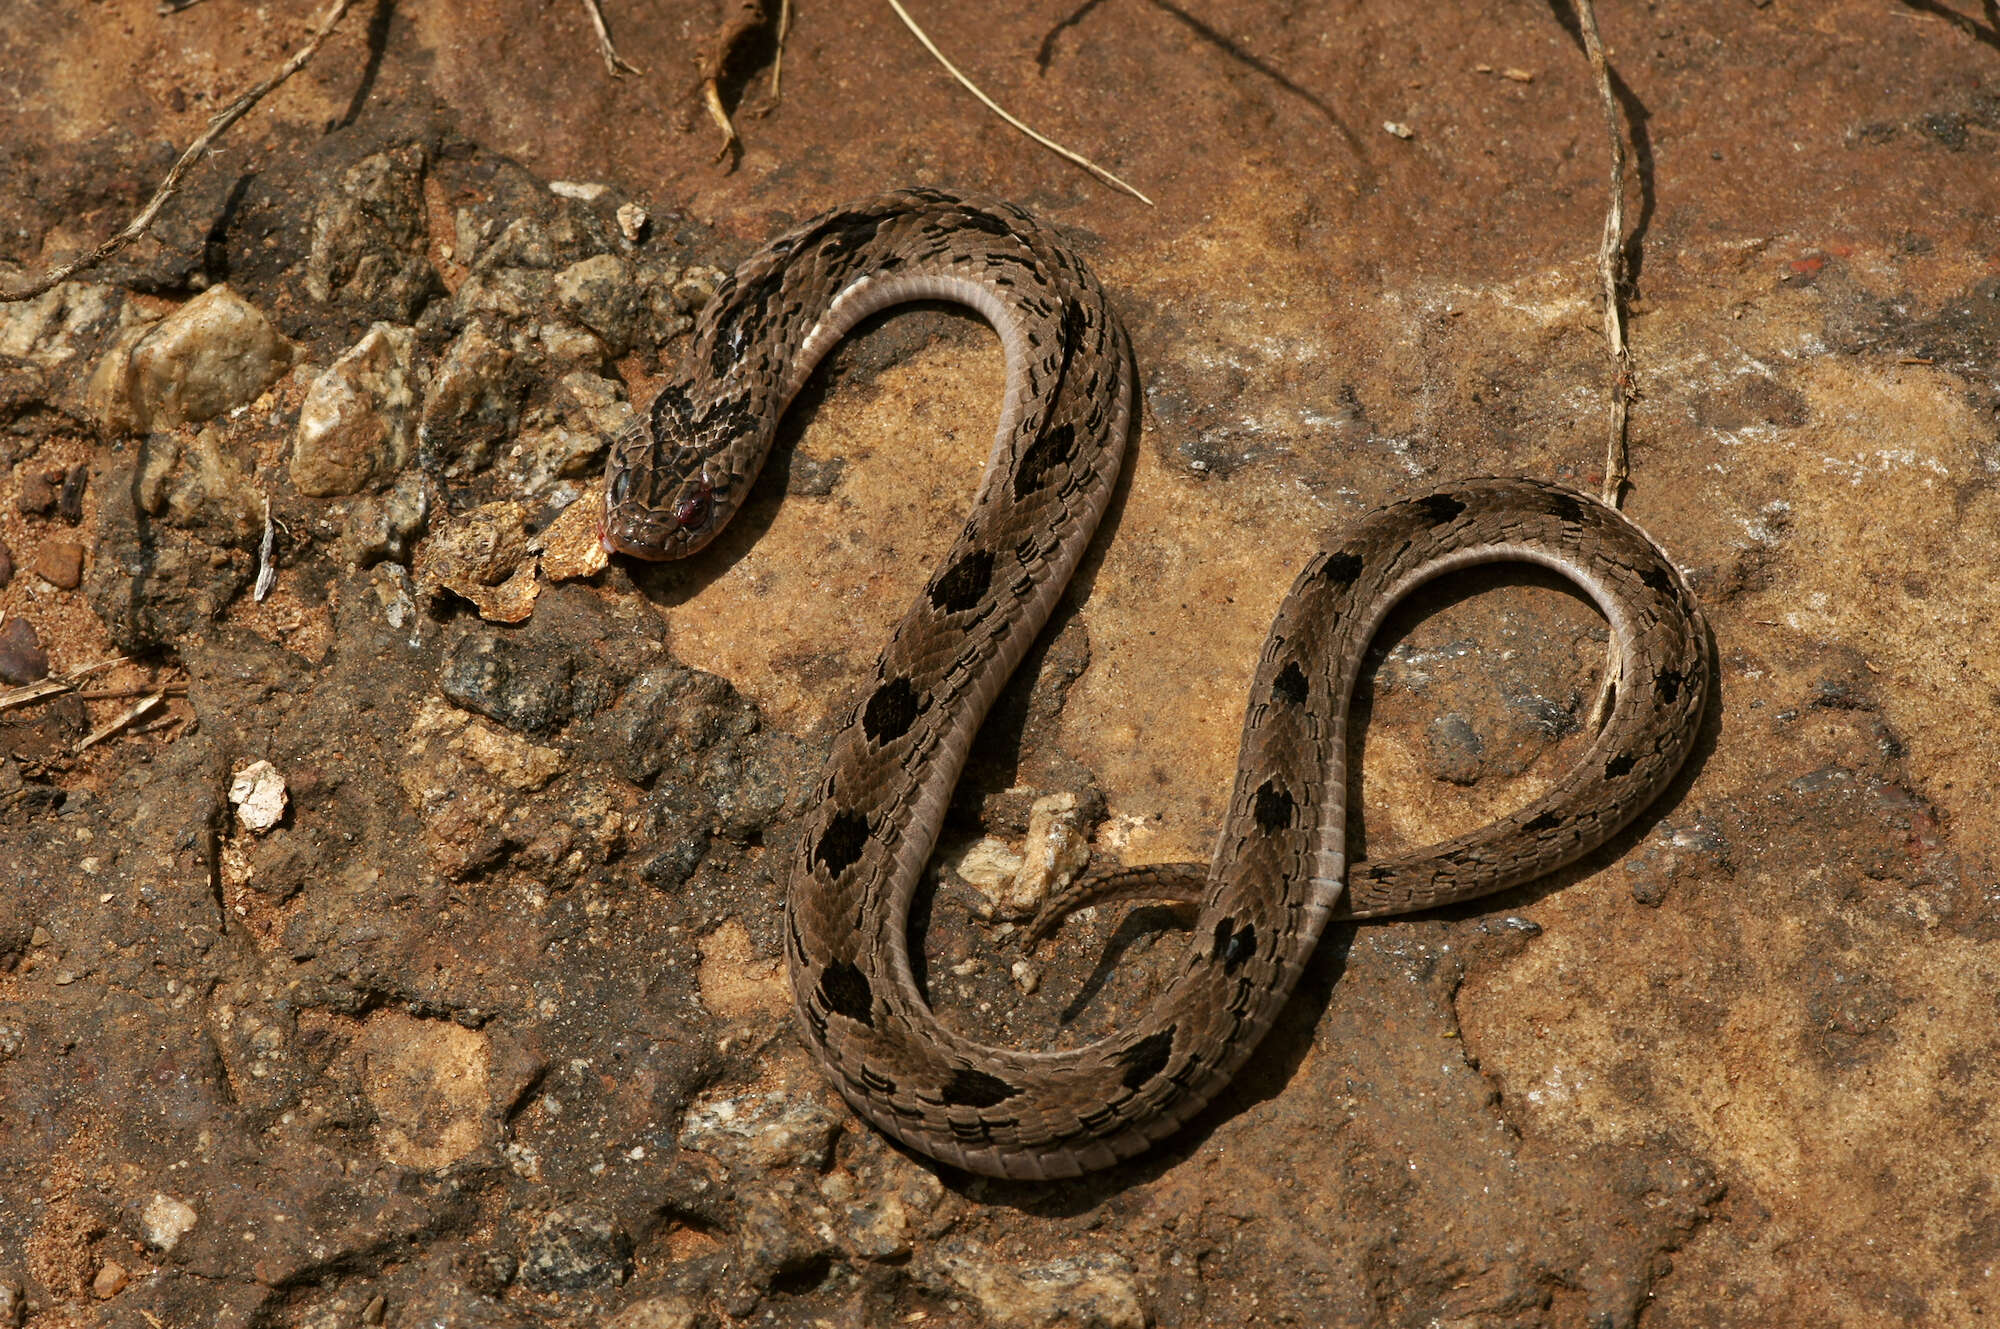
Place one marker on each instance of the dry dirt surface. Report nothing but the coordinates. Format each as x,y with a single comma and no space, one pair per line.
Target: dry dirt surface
401,948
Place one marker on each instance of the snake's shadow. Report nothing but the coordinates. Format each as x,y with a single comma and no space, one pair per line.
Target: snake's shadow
1284,1049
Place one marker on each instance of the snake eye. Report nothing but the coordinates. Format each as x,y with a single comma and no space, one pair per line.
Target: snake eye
693,510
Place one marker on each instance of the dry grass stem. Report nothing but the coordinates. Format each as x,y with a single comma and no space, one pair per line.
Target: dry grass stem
614,62
1611,262
996,108
140,711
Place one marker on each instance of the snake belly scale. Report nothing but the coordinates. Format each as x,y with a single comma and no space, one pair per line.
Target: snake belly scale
1280,871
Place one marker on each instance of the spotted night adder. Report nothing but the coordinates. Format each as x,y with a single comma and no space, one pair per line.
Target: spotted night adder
681,470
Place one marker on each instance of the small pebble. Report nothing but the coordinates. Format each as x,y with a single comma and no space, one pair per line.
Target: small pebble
632,221
165,1220
376,1310
22,659
1398,129
13,1305
6,565
38,493
110,1281
258,793
60,564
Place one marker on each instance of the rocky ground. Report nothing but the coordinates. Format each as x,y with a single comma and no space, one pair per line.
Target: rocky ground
410,956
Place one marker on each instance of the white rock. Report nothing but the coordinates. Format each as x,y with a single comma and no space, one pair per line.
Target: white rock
258,792
164,1221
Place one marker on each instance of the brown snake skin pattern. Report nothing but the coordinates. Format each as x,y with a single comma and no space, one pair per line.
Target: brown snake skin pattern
1280,866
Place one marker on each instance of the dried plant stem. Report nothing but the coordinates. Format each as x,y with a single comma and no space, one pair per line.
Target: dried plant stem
1611,262
995,107
778,57
614,62
750,16
217,126
29,693
1611,272
124,718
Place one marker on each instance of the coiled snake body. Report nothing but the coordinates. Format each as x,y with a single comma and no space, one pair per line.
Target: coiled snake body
1280,865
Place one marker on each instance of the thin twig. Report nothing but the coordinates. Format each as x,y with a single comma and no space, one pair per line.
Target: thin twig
124,718
778,57
750,16
120,694
1611,270
613,61
217,125
995,107
51,687
33,692
1611,262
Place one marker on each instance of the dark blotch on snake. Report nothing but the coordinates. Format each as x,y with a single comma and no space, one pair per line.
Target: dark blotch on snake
1273,807
1542,821
1290,684
1617,766
672,404
844,990
1146,1058
964,584
1053,448
1342,568
1232,947
1565,507
1440,508
847,233
841,842
1669,682
1662,581
891,711
976,1089
971,219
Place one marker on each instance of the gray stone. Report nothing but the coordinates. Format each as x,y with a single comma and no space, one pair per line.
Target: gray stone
600,293
355,428
200,482
750,783
761,1130
507,295
569,437
670,714
656,1313
473,404
50,329
1095,1290
151,592
369,240
780,1231
213,354
575,1249
1456,749
383,526
514,682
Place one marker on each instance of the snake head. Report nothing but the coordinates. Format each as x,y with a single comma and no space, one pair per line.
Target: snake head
659,511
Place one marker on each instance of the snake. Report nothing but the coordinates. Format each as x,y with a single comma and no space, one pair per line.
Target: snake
1280,872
